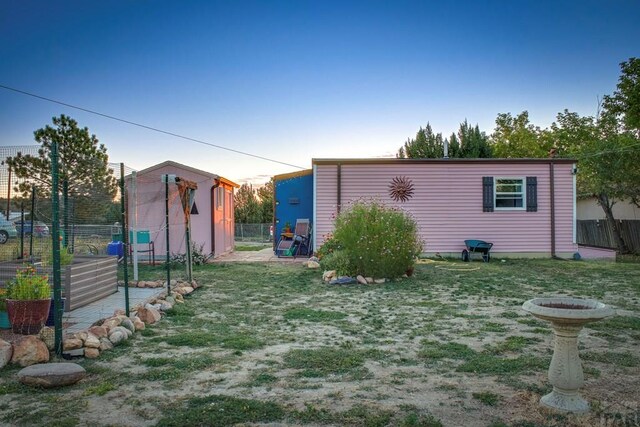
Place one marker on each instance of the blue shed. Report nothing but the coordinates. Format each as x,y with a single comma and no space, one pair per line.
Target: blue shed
293,199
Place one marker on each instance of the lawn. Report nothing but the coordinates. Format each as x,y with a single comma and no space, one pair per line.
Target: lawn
260,344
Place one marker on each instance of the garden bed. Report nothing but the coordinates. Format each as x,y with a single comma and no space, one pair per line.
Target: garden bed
85,280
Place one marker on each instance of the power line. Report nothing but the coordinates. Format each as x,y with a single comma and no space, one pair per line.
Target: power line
97,113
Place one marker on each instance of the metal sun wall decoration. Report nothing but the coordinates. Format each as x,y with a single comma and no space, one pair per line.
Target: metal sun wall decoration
401,189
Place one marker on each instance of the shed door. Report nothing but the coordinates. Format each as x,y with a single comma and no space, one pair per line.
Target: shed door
228,220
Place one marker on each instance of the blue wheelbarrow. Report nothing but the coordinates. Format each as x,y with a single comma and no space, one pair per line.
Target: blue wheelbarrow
476,247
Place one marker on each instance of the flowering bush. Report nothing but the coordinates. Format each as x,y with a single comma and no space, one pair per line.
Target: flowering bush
29,285
375,241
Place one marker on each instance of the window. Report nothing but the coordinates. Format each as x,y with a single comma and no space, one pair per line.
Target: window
219,198
509,193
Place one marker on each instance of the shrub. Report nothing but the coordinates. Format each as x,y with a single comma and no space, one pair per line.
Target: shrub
339,261
198,257
375,240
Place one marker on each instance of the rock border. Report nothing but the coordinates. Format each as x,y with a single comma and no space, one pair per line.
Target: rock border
102,336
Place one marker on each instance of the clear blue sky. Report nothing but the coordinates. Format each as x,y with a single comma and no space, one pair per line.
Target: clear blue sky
294,80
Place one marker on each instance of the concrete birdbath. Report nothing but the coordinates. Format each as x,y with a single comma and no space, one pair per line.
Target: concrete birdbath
567,317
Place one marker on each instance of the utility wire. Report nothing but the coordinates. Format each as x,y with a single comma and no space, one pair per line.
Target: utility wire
147,127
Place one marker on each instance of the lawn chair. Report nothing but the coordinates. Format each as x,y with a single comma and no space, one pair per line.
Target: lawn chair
293,245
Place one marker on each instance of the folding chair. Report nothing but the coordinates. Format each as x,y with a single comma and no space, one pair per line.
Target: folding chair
290,246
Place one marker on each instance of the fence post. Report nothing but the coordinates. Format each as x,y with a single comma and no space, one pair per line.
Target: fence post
55,240
33,214
166,219
125,240
65,218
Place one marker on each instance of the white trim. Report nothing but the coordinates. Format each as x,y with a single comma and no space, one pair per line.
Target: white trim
315,221
575,208
523,192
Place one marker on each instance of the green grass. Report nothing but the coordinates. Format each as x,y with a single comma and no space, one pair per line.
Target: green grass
311,315
273,344
222,411
487,398
325,361
249,248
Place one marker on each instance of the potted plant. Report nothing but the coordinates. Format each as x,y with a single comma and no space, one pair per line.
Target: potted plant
28,301
4,317
287,227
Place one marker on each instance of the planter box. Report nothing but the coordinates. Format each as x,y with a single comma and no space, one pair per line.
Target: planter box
86,280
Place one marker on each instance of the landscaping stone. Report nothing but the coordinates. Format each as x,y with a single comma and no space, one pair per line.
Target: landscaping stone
99,331
92,341
127,333
328,275
342,280
6,351
187,290
91,353
71,344
179,298
171,300
149,315
166,306
29,350
194,284
105,344
81,335
128,324
119,312
48,336
116,337
369,280
111,323
313,264
50,375
379,281
139,324
361,280
314,259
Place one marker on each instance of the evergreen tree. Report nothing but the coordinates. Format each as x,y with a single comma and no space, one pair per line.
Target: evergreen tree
83,164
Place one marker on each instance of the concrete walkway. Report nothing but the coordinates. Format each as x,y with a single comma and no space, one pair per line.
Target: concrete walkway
84,317
263,255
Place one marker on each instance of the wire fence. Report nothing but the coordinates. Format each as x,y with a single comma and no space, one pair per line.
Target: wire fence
254,233
89,215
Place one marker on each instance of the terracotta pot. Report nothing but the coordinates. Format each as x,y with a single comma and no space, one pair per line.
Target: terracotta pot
28,316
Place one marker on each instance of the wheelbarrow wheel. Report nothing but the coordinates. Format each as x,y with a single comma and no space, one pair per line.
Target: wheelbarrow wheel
465,255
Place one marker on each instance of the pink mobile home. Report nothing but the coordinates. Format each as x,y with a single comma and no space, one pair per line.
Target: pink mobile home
212,221
525,207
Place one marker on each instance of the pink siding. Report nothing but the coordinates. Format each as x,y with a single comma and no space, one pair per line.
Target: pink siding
590,252
151,209
447,203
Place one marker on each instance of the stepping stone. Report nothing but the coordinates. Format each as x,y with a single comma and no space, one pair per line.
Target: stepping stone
50,375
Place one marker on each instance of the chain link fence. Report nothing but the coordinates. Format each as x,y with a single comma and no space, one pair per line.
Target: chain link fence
262,233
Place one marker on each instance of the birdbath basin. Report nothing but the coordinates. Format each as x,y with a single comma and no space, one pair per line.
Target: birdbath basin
567,317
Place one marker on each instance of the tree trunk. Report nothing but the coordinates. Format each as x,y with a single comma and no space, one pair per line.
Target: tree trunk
607,207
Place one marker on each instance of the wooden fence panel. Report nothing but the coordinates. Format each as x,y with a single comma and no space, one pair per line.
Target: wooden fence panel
600,233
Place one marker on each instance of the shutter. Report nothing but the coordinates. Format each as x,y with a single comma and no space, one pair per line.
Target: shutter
487,194
532,194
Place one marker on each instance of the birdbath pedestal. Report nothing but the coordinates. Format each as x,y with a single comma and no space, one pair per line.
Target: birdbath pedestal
567,317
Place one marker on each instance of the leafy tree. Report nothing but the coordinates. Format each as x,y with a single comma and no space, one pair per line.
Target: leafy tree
625,101
247,208
516,137
265,194
83,164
